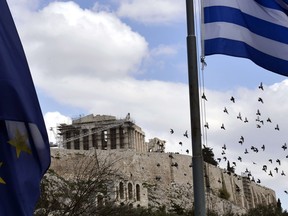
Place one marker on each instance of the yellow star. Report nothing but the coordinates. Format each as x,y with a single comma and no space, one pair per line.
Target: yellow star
1,180
19,142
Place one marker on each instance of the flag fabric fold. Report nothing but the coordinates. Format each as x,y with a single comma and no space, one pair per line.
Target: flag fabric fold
252,29
24,145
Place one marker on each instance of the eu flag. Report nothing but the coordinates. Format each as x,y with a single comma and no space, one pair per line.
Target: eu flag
24,146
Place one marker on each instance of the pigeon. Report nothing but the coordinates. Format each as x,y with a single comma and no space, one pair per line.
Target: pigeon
261,86
186,134
204,97
277,127
223,127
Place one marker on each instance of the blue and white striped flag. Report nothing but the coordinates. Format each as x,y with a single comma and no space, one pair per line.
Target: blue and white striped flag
253,29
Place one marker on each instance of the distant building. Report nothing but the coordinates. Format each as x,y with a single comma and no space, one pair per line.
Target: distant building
103,132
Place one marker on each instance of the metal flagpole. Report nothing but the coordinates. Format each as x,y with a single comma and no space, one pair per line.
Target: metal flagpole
197,159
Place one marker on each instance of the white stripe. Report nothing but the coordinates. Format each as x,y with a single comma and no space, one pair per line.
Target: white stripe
252,8
239,33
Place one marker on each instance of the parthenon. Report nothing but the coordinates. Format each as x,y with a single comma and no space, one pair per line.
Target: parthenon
103,132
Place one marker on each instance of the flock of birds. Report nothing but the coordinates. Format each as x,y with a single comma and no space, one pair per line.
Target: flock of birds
272,167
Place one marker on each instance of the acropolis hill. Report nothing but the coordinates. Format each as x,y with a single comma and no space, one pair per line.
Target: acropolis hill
149,176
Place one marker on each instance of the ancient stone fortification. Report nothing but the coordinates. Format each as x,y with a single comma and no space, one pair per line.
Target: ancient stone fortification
151,177
165,179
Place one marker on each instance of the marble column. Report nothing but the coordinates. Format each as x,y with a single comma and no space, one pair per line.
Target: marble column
117,138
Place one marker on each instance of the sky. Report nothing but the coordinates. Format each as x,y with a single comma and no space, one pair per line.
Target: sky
115,57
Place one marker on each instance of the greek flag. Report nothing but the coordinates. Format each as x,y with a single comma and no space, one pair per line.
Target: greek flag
253,29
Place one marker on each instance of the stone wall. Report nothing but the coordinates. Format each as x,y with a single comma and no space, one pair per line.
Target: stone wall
166,179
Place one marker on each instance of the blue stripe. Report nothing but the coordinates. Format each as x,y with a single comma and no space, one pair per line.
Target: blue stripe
255,25
240,49
271,4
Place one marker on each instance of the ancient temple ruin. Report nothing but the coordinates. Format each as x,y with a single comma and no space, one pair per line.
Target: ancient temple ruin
103,132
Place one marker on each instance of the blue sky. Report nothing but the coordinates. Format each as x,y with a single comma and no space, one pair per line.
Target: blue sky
118,56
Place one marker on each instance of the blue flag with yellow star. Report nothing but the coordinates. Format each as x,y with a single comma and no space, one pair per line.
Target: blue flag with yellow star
24,146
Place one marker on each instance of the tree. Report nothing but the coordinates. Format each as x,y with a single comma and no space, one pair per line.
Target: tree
265,210
279,207
208,156
82,193
229,168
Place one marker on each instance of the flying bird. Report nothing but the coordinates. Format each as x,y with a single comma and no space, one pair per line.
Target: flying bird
239,116
277,127
240,159
224,147
225,110
276,169
270,173
263,147
284,147
269,120
246,152
186,134
258,112
246,120
270,160
204,97
261,86
260,100
278,161
206,125
222,126
171,131
232,99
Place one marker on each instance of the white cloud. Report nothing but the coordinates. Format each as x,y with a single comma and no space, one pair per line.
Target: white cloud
52,121
152,11
164,50
62,41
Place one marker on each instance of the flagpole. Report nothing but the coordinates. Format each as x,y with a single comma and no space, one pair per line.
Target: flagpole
197,159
